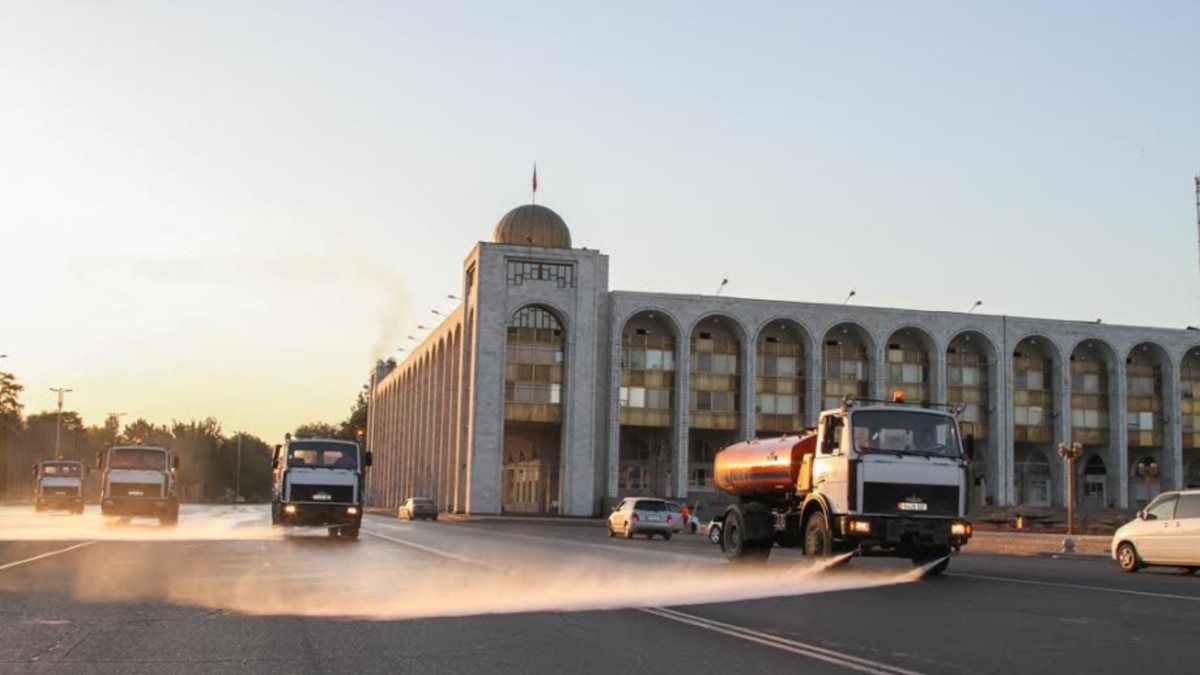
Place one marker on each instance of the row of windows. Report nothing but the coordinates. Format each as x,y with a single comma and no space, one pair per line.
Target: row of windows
648,359
722,364
532,392
719,401
559,274
534,353
908,373
640,397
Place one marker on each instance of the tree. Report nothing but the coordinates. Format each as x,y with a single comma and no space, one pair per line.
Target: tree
357,421
12,425
197,443
147,433
321,429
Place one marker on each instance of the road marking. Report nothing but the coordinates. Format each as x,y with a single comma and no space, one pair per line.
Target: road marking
799,648
421,547
811,651
1078,587
45,555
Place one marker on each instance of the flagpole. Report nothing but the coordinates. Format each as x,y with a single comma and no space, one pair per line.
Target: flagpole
533,199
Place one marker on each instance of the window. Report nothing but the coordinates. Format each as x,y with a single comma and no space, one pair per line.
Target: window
1189,506
1093,487
1162,508
559,274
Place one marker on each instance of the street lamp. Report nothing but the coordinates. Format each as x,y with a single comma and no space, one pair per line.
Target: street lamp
977,303
58,427
453,297
722,286
851,295
1149,471
1070,453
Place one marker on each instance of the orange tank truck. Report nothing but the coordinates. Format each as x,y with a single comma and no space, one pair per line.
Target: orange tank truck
763,467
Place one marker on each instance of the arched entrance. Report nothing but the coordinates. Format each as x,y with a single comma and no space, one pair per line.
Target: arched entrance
533,396
1035,480
1095,482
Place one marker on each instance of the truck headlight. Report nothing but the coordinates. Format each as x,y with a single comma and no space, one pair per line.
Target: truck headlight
960,529
860,526
352,510
290,508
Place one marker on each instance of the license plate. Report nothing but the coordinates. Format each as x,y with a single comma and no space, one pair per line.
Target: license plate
135,493
322,496
913,506
654,519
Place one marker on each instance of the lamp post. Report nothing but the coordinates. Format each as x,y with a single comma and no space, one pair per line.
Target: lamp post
1070,453
116,418
977,303
1147,470
848,296
58,426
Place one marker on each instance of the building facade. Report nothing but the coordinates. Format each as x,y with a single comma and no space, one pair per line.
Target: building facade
546,392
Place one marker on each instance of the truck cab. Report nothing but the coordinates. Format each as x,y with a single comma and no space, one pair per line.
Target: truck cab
139,481
58,485
319,482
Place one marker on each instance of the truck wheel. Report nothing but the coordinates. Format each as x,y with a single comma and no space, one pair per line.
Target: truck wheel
817,543
734,544
666,536
349,532
714,533
628,533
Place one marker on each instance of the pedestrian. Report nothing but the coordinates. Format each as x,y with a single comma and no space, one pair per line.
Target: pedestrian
686,515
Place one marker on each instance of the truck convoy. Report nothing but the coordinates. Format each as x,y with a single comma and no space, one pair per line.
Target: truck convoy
139,481
58,485
319,482
887,479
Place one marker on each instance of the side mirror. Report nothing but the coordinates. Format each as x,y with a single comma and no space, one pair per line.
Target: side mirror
275,463
1142,515
368,458
969,448
99,459
175,462
35,470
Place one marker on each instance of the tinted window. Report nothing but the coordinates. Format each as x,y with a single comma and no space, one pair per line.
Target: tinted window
137,458
648,505
1162,510
1189,506
317,454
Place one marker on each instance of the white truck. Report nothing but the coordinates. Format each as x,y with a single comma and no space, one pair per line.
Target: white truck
319,482
139,481
880,480
58,485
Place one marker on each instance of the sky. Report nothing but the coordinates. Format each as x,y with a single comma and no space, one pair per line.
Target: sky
232,209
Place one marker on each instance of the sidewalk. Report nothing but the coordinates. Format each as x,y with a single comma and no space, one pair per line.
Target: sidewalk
1090,547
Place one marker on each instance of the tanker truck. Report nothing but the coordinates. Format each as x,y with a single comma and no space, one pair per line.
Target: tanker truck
883,479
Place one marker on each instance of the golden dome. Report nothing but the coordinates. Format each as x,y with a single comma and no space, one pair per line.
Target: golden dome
532,225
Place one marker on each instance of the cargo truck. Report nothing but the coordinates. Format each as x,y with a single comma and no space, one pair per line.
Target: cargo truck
58,485
319,482
139,481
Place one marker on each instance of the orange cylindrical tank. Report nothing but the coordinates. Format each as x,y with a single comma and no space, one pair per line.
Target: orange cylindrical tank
762,466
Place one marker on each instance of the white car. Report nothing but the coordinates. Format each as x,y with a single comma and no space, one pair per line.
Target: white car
1166,532
642,515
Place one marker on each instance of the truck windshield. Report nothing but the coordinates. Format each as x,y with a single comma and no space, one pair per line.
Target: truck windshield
906,432
323,454
145,459
62,470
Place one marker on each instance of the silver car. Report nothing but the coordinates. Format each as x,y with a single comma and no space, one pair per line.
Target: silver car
1166,532
417,507
642,515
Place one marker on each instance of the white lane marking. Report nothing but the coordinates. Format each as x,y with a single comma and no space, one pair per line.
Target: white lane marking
800,648
1077,587
45,555
421,547
811,651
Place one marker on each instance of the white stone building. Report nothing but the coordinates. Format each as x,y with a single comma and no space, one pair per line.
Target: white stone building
546,391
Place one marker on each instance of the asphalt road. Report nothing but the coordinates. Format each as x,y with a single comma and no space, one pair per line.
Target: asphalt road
223,593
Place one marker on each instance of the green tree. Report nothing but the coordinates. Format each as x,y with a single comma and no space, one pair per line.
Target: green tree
320,429
12,427
357,421
147,433
197,443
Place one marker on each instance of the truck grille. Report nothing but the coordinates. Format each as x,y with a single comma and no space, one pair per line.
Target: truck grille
338,494
124,489
60,491
886,498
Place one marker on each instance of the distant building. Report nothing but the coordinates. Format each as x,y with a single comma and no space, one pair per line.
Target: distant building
545,386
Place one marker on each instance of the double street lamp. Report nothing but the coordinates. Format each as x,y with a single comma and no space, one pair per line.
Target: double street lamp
1147,469
58,426
1070,453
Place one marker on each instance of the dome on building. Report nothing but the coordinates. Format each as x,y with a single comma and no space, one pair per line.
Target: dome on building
532,225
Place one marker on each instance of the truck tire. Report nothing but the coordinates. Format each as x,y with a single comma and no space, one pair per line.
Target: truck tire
350,532
734,544
817,541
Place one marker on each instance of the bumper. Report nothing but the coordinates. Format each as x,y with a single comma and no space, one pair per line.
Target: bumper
135,506
304,514
646,526
51,502
901,536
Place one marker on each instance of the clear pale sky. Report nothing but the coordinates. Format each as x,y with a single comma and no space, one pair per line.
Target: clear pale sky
231,209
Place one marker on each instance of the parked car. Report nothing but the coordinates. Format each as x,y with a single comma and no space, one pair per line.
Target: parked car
1166,532
642,515
418,507
713,530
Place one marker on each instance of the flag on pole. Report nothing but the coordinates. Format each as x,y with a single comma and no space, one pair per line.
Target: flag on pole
535,177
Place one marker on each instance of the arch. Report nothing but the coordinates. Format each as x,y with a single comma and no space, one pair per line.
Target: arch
659,314
909,355
1148,372
1035,480
848,356
1095,389
647,397
782,350
536,354
719,356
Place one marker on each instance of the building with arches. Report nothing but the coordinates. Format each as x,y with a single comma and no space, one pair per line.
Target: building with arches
546,392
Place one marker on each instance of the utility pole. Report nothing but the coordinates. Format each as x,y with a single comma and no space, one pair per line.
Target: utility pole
237,499
58,427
